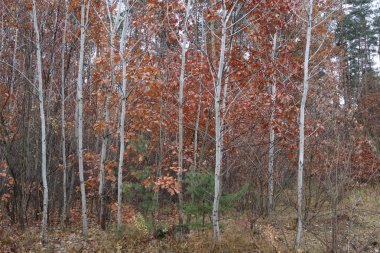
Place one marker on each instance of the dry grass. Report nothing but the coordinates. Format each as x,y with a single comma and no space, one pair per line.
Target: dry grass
359,228
235,239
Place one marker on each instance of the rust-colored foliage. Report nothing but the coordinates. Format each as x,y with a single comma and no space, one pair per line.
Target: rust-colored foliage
340,137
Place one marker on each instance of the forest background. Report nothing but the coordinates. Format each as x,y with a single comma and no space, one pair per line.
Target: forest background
193,125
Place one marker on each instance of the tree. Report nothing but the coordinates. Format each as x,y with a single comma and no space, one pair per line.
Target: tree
218,106
43,127
357,37
271,134
233,91
302,123
184,45
122,115
113,26
79,118
63,120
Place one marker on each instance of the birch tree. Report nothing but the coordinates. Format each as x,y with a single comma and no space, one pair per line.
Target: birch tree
79,118
43,126
184,45
218,106
122,115
271,134
302,124
13,78
2,31
113,26
63,121
204,51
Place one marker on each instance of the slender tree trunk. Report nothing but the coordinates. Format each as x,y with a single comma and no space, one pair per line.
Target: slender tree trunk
219,130
122,117
43,127
184,45
71,189
180,128
49,81
122,148
205,136
196,129
80,117
302,125
103,155
13,78
103,152
63,123
199,102
334,222
2,32
271,135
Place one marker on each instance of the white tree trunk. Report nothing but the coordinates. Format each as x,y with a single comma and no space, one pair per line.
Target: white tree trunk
63,123
103,152
184,45
196,129
271,135
302,125
219,129
43,127
80,117
203,43
103,155
180,128
2,32
14,63
122,116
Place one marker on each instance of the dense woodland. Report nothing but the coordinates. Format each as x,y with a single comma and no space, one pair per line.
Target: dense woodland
189,126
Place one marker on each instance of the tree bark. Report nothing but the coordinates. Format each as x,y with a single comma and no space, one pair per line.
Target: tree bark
199,101
2,32
103,153
184,45
43,127
302,126
14,62
80,118
271,135
219,129
63,121
122,116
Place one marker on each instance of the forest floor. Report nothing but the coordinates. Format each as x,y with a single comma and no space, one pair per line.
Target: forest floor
358,229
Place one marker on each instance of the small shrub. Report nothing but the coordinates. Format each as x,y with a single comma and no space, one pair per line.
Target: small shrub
200,188
139,223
